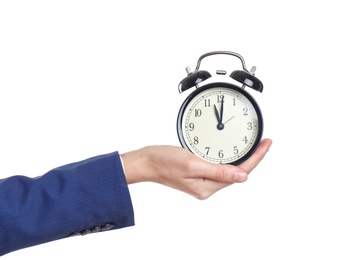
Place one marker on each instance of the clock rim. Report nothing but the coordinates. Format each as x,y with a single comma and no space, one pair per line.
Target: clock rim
222,85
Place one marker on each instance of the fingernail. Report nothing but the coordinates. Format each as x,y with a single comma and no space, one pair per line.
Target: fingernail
241,174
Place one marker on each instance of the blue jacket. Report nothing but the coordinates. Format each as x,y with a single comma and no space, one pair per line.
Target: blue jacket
75,199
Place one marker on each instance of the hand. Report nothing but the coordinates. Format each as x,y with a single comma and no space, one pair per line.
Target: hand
178,168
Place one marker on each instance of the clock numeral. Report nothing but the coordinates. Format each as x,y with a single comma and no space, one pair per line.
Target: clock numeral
220,98
245,140
196,140
198,112
249,126
191,126
235,150
234,104
207,102
220,153
245,109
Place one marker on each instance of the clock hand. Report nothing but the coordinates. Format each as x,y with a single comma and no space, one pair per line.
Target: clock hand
229,120
220,125
222,101
217,114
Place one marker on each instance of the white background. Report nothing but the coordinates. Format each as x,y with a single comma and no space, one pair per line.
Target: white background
83,78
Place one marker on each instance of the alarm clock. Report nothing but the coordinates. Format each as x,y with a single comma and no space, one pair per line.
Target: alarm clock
220,121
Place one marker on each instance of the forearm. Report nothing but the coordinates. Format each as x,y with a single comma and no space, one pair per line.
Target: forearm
67,200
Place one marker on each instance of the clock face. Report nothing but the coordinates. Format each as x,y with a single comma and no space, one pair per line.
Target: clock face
221,123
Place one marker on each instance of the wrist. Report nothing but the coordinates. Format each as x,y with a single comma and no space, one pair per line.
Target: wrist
135,166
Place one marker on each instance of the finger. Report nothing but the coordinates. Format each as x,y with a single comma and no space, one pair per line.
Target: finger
258,155
220,173
229,174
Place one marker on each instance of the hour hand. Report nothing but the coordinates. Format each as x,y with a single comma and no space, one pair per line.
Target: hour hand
217,114
220,125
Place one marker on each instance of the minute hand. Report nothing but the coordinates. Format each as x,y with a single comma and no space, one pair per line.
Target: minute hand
220,125
221,118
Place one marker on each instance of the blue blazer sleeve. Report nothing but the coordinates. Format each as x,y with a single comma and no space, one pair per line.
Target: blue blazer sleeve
75,199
